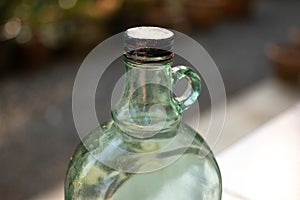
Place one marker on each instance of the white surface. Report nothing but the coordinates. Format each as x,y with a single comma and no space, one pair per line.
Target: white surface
250,109
265,164
149,32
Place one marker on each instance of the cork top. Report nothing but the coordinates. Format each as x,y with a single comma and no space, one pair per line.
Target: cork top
148,37
148,43
149,33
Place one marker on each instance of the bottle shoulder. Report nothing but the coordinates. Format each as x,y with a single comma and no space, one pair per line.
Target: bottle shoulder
108,134
114,148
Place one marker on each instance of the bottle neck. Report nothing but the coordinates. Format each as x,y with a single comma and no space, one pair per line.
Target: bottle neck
148,83
146,106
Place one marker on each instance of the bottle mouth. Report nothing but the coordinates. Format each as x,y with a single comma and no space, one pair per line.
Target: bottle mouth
148,55
148,44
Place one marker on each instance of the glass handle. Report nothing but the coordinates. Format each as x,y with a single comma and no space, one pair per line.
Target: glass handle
190,95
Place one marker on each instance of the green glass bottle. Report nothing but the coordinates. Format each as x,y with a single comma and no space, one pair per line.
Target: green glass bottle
146,152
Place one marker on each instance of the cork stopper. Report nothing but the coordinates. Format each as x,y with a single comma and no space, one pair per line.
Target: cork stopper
149,44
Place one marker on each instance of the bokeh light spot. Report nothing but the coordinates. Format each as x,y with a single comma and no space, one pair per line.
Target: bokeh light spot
67,4
12,28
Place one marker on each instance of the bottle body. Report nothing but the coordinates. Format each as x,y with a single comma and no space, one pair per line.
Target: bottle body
194,175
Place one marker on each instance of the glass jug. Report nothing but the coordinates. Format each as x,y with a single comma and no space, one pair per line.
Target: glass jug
146,152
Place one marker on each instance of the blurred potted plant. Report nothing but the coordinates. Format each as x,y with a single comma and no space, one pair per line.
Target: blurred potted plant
294,36
204,13
40,29
286,58
32,29
237,8
166,13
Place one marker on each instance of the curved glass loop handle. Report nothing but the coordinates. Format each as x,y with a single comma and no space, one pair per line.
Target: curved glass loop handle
190,95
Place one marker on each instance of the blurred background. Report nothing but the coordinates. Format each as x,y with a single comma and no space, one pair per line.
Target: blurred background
255,44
